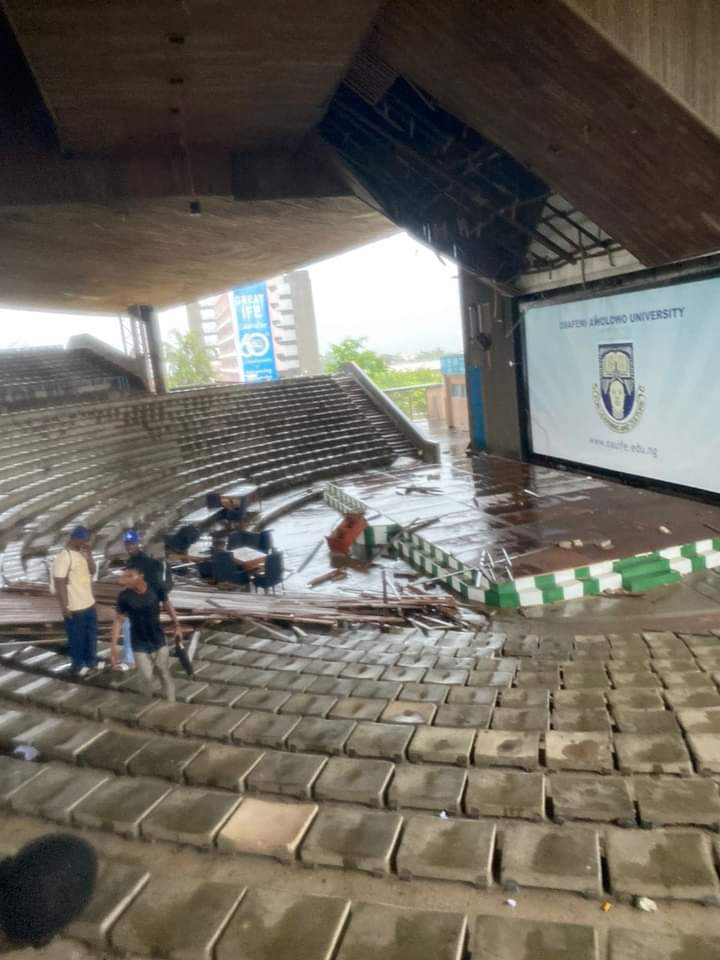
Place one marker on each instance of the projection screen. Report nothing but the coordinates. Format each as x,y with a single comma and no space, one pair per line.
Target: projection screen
629,382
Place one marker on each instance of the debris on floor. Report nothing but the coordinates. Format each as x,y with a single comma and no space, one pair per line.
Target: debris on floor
338,574
351,527
416,488
646,904
403,607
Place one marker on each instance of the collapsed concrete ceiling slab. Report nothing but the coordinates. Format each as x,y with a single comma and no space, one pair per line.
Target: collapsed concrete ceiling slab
539,80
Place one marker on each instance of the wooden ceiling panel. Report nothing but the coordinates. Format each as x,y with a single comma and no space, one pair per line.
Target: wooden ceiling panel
253,74
97,258
543,83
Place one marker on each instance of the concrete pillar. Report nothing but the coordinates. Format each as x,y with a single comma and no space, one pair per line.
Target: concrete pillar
489,368
149,317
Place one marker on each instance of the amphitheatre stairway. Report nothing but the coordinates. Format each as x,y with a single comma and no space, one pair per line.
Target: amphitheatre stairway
149,461
33,377
582,766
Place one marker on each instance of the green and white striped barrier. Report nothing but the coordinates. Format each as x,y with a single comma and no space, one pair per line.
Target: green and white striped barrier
637,573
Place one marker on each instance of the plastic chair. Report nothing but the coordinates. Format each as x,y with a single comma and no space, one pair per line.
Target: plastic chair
225,570
273,575
182,539
244,538
233,514
237,539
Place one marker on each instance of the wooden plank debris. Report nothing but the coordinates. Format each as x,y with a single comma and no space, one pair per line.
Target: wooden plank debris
31,603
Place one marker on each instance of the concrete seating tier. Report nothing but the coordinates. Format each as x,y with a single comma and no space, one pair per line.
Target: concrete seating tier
399,444
49,363
32,378
150,460
141,912
483,759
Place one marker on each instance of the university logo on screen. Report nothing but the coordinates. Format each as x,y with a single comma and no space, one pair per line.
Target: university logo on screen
619,401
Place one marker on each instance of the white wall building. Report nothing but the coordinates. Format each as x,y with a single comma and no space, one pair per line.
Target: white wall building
292,323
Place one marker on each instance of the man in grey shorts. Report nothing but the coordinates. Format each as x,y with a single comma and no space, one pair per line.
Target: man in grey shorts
141,605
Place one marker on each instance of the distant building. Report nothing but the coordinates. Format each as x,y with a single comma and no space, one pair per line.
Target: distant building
264,331
456,409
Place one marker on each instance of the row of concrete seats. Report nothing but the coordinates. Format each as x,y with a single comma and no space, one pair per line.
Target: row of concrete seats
633,730
212,405
377,842
143,913
150,460
314,781
48,363
208,813
375,764
225,408
33,378
400,444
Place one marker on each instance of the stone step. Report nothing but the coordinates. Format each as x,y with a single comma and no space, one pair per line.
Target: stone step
430,781
673,865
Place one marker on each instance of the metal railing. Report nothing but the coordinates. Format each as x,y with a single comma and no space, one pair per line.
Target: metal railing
429,449
413,399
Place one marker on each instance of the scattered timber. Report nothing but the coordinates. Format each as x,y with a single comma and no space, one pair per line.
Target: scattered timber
31,603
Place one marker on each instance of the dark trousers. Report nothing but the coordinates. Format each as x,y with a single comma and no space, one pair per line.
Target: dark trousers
81,631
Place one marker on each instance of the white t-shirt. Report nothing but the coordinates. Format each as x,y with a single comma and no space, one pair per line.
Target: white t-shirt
71,565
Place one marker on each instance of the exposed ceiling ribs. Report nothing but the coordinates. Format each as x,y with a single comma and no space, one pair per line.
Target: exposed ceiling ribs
449,185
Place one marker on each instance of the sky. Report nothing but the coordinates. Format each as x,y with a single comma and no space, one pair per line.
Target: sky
395,292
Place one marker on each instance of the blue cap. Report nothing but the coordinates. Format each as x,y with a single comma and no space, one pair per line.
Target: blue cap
80,533
131,536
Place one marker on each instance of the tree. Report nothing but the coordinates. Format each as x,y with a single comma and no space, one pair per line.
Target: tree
353,350
381,373
187,359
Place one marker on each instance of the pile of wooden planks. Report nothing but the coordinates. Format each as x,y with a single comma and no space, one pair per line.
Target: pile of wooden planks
31,603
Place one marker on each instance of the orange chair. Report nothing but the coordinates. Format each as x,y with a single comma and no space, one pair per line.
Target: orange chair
346,533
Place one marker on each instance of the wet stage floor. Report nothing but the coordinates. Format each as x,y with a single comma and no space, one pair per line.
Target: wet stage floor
489,504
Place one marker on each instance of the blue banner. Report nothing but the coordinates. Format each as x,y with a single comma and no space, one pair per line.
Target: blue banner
252,316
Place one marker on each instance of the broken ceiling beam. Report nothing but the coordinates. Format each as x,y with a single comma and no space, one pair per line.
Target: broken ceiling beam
542,82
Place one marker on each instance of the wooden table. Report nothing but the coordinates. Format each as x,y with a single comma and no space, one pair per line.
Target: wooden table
248,559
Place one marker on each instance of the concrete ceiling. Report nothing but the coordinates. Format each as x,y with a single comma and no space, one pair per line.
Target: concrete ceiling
153,103
109,256
118,113
675,41
246,74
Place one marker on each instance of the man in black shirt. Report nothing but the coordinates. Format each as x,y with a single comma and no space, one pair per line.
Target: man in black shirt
156,578
140,604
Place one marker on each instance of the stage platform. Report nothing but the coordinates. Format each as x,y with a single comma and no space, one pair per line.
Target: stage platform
485,510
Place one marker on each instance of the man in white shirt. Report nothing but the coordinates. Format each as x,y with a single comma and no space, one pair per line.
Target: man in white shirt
73,571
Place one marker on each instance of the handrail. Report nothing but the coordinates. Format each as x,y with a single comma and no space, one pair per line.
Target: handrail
429,449
412,386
